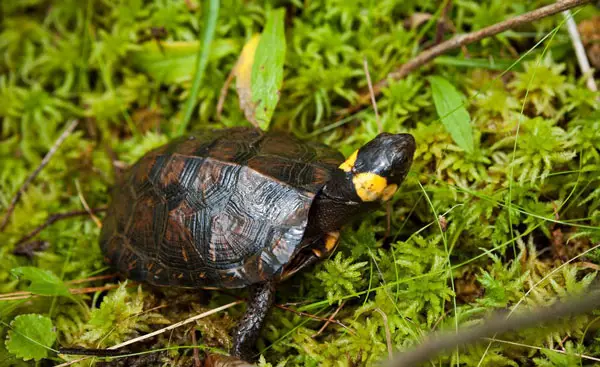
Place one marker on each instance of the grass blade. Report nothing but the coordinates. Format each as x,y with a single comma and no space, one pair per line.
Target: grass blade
203,52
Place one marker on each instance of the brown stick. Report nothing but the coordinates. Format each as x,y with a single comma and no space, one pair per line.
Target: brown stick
31,177
25,294
223,93
459,41
92,279
55,218
196,352
441,23
329,320
315,317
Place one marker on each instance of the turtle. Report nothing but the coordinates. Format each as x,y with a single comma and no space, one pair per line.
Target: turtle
240,207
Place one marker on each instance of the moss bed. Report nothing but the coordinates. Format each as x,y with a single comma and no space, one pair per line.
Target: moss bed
513,224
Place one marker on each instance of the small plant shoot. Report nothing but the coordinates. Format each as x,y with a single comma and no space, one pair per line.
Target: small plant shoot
30,336
450,109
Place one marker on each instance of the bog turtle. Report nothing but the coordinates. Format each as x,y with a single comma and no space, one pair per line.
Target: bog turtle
240,207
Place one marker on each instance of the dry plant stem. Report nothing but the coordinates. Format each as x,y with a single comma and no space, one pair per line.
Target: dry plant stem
176,325
55,218
388,334
582,59
562,342
388,220
71,362
92,279
86,206
441,24
163,330
223,93
462,40
372,95
316,317
25,295
588,265
498,324
37,171
75,281
196,352
300,313
329,320
582,356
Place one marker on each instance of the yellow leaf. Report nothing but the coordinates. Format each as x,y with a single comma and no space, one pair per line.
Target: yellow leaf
243,74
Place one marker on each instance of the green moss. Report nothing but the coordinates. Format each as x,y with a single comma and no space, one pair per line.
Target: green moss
516,209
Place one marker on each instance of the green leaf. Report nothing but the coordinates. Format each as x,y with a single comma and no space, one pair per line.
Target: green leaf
30,336
243,76
171,62
202,61
449,106
43,282
267,69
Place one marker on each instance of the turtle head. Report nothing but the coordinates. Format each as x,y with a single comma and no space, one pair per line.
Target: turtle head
375,171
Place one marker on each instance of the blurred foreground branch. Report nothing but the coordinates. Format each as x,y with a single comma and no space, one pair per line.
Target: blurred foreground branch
498,324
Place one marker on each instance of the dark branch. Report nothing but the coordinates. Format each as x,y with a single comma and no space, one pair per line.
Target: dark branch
462,40
31,177
93,352
55,218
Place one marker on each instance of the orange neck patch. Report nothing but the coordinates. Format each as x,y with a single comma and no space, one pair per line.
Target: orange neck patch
349,163
369,186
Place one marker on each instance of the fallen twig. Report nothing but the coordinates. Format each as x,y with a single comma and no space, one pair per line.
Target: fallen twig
86,206
584,63
92,279
54,218
315,317
195,352
329,320
74,281
160,331
441,23
459,41
223,93
13,296
176,325
45,160
28,249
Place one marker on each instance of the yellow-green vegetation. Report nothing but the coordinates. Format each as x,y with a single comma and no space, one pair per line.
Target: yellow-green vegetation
500,213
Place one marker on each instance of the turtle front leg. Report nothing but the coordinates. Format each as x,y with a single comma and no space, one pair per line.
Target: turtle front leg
262,296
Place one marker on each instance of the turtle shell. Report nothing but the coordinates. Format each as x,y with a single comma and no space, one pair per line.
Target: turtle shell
224,208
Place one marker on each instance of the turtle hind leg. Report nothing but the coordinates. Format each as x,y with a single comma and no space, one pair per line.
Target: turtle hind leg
262,296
